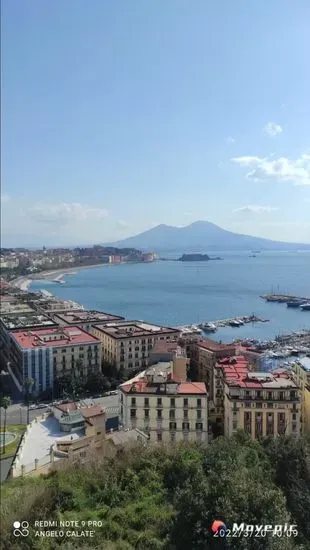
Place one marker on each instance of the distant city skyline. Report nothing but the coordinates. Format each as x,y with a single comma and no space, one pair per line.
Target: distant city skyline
128,115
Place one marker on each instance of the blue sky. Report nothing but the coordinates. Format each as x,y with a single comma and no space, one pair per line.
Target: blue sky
117,116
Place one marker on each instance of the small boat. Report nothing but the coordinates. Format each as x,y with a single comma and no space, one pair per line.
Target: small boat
305,307
234,324
294,303
209,327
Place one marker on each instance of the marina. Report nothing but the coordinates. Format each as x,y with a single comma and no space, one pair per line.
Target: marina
214,325
300,302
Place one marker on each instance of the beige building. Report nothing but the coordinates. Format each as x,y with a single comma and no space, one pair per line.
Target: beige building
161,403
48,354
260,403
127,344
301,376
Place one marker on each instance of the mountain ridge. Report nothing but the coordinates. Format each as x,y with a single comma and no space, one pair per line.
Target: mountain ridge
201,236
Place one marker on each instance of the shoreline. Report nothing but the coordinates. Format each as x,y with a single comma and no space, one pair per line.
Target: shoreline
23,283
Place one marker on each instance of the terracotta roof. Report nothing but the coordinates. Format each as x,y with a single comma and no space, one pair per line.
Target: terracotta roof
65,336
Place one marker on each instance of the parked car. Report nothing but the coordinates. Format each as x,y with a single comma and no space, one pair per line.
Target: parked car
114,392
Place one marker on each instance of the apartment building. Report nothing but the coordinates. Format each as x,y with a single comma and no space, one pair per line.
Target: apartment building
47,354
161,403
301,376
85,319
127,344
204,355
260,403
13,322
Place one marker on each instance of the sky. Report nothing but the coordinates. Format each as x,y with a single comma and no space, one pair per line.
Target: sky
118,116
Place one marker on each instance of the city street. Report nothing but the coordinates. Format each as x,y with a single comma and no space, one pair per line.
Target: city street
17,413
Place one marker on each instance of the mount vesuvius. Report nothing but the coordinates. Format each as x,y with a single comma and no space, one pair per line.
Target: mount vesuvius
201,236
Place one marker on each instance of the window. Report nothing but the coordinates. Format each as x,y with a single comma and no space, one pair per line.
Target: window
159,413
198,414
198,402
172,436
172,402
235,424
186,413
133,413
54,351
258,394
81,348
186,402
172,425
63,350
159,436
130,365
136,355
137,363
133,401
294,416
146,413
185,426
199,426
159,401
269,395
146,401
258,405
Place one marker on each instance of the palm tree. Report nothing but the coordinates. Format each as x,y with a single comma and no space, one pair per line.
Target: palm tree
29,382
5,403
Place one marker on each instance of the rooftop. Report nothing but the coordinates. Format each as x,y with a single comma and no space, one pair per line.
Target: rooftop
15,307
183,388
82,316
68,336
132,329
163,346
13,321
214,346
237,374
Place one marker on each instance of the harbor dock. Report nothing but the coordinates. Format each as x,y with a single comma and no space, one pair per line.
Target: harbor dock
212,326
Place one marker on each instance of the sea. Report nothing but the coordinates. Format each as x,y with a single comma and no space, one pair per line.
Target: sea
173,293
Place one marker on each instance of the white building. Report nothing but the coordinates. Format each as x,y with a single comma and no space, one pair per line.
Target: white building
160,402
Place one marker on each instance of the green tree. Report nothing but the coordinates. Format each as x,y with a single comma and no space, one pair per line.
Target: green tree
5,403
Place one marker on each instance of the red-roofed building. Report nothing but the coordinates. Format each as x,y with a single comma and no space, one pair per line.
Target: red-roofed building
165,406
50,353
261,403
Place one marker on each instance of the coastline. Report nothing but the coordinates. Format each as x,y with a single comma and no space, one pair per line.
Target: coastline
23,283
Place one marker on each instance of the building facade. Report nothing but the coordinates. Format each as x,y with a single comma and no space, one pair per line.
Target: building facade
166,408
127,344
48,354
262,404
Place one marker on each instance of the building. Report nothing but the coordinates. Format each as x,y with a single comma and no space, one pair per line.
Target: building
127,344
51,305
204,355
164,350
260,403
13,322
8,263
85,319
301,376
161,403
48,354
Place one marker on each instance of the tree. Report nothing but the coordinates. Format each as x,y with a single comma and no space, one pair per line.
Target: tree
28,384
5,403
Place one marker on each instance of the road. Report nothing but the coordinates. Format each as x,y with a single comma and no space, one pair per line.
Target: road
17,414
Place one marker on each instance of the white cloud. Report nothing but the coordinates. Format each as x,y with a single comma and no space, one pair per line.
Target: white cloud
5,198
64,213
272,129
230,139
281,169
256,209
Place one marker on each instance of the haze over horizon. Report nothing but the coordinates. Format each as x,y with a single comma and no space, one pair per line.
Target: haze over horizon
121,117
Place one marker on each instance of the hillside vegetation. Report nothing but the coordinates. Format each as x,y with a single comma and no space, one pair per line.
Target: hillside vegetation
158,498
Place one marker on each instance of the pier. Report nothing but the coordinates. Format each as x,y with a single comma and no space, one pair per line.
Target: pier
212,326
